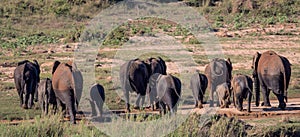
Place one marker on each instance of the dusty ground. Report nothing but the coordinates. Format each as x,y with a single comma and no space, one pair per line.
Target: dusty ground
288,46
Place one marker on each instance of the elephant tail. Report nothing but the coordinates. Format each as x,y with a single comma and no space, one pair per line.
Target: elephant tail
285,86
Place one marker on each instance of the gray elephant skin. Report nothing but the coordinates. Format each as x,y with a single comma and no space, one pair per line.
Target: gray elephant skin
224,93
97,98
166,89
134,76
218,71
242,87
65,86
46,96
26,78
271,72
198,84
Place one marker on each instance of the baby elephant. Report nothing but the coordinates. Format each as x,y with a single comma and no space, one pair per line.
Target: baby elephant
97,98
46,95
223,92
242,87
165,89
198,84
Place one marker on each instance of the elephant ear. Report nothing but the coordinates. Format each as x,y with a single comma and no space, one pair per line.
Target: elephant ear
36,64
55,65
163,65
255,61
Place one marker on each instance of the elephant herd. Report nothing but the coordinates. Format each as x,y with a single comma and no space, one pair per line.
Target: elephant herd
64,89
270,72
149,77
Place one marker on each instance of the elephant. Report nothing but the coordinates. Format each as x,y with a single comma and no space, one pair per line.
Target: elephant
242,87
198,84
166,89
271,72
65,86
26,78
157,65
223,92
46,96
97,98
218,71
134,76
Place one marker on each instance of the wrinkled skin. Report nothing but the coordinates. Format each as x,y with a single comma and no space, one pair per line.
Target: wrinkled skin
64,85
198,84
46,96
166,89
97,98
134,76
26,78
242,86
218,71
224,93
271,72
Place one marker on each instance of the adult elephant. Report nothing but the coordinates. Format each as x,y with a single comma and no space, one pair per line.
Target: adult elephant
218,71
271,72
165,89
242,86
198,84
46,95
134,76
26,78
65,86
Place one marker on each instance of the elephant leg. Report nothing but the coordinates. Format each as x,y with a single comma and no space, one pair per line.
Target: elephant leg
200,102
196,100
93,108
126,94
137,102
99,107
70,105
266,93
25,105
211,97
21,99
46,107
280,98
162,107
31,97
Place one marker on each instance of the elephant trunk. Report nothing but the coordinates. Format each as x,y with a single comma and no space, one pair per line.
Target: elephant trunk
257,89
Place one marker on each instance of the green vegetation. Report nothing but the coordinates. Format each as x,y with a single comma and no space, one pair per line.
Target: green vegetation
48,126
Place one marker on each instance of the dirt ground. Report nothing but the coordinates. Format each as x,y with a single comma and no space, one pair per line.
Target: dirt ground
287,46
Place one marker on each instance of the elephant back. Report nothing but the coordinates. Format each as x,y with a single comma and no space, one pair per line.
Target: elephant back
270,63
218,71
62,78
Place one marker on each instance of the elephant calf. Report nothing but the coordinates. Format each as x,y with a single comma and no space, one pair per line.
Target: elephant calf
97,98
46,95
223,92
198,84
242,86
165,89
